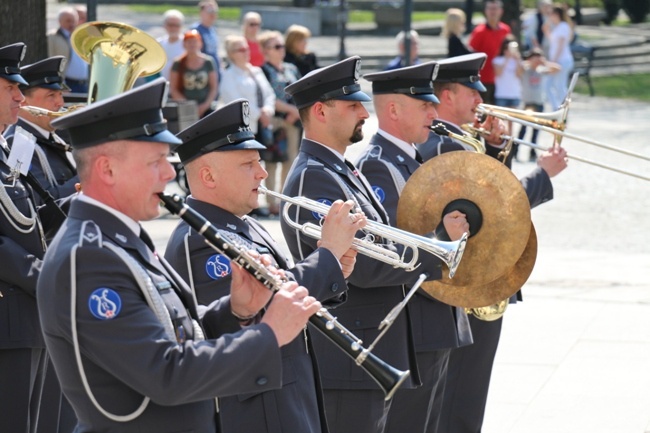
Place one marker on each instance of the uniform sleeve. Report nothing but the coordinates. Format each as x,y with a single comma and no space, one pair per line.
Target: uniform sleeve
133,348
436,145
321,274
19,267
368,272
538,186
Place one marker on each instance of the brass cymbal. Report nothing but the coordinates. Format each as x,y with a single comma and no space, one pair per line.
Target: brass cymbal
496,192
475,296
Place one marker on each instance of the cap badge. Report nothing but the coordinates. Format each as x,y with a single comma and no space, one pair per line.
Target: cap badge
435,71
357,70
246,113
62,65
23,52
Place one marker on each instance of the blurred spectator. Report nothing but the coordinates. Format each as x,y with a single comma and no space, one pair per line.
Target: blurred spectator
208,14
243,80
508,69
559,34
296,38
487,38
286,129
58,44
533,26
453,30
251,25
398,62
532,89
82,14
193,75
172,43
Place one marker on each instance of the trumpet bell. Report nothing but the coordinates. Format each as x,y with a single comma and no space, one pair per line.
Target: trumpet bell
118,54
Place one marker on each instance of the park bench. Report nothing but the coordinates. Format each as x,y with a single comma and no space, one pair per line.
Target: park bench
583,56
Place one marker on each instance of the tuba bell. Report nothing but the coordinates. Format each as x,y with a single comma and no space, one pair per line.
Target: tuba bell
118,54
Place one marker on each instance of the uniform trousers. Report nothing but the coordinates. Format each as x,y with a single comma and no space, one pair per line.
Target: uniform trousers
468,379
21,382
56,414
418,410
342,406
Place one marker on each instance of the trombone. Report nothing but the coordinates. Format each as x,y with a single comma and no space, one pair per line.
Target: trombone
449,252
553,123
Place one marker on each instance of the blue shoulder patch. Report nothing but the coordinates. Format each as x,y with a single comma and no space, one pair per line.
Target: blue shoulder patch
104,303
324,201
218,266
379,193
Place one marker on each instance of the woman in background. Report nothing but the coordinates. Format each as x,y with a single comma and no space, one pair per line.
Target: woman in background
286,122
453,31
296,38
558,31
194,75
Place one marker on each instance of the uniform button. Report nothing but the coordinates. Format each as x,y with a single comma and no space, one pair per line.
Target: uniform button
357,322
262,381
335,287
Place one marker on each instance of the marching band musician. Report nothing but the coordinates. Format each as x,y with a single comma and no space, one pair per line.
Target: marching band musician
52,163
122,328
329,101
22,246
457,86
222,161
404,105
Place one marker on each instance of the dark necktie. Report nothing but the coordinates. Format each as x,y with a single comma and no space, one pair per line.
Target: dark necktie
147,240
418,157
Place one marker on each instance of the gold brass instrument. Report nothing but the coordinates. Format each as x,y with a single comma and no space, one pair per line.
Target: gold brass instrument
449,252
387,377
531,119
40,112
492,270
118,54
472,142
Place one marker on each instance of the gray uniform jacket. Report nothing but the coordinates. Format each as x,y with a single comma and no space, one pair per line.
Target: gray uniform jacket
125,350
435,325
374,287
63,174
297,407
537,184
21,250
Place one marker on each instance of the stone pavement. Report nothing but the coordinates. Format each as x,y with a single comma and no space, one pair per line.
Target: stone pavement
575,356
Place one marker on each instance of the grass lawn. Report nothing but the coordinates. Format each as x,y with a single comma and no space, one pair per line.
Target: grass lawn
635,86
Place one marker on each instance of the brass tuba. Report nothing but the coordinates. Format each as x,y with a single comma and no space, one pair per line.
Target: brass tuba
118,54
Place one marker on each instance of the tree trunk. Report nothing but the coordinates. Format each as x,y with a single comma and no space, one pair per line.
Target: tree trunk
24,21
511,16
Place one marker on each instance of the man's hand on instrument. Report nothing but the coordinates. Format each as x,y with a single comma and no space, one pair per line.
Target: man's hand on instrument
553,161
340,226
247,295
348,261
496,128
289,312
455,224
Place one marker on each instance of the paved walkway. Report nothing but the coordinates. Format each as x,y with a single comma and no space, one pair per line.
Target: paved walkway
574,357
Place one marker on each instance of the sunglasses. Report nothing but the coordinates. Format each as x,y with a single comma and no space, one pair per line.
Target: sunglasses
254,24
276,47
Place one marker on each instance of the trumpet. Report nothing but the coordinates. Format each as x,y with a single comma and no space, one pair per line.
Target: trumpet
387,377
449,252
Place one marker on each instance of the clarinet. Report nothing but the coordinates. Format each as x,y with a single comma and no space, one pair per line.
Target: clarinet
387,377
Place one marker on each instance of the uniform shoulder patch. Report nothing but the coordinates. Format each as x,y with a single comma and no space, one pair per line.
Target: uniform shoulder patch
104,303
379,193
324,201
218,266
